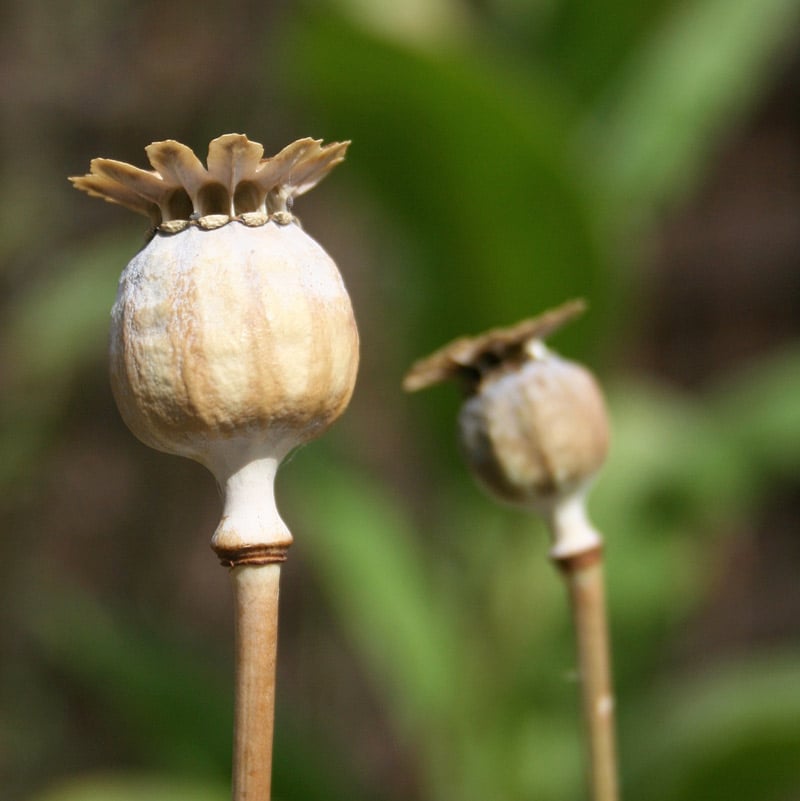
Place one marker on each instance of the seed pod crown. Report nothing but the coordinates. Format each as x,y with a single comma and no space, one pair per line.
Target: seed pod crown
238,184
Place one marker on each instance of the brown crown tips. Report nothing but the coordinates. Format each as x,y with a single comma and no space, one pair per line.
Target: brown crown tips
298,168
97,185
466,359
237,180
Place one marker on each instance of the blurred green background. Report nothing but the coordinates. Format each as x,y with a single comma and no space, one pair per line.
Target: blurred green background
507,155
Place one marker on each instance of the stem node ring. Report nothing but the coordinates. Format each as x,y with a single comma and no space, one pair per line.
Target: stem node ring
258,554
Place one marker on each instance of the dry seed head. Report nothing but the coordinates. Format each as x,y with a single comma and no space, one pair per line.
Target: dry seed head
232,339
533,427
536,433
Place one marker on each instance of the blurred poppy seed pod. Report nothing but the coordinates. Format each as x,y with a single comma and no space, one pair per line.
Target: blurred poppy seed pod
534,431
233,339
533,427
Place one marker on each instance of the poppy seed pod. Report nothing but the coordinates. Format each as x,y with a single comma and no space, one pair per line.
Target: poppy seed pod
533,427
534,431
233,339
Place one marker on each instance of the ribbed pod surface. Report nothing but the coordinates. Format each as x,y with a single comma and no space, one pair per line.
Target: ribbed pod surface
536,433
232,333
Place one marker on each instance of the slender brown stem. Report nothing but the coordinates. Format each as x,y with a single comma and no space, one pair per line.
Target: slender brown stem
584,577
256,608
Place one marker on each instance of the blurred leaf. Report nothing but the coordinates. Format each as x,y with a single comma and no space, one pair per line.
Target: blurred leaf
377,579
26,427
55,328
672,479
367,553
760,414
308,766
471,153
64,320
671,461
166,702
133,788
546,754
424,22
694,75
151,689
730,734
589,41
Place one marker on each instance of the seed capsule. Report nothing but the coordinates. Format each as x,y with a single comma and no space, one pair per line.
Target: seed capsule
534,431
233,339
533,428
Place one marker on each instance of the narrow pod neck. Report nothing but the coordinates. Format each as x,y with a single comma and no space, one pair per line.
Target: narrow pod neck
251,530
572,532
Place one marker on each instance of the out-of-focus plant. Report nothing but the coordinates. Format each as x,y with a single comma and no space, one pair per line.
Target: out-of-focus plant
507,159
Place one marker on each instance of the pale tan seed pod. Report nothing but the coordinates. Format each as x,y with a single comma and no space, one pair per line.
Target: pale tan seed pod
228,342
537,433
533,428
233,339
534,431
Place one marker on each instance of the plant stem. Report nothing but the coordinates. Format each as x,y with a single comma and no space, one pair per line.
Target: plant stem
253,541
583,573
256,609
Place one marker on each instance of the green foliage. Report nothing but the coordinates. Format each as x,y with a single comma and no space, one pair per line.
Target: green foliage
379,585
156,694
675,473
759,411
683,88
133,788
58,326
717,728
477,157
506,158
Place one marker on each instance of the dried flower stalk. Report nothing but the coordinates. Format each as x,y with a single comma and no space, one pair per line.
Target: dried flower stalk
534,431
233,342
